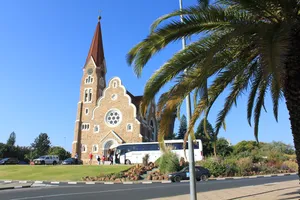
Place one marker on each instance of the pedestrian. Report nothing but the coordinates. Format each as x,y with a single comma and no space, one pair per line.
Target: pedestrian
111,158
103,159
76,159
91,158
98,159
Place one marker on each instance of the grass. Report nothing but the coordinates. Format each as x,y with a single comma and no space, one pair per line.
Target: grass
56,173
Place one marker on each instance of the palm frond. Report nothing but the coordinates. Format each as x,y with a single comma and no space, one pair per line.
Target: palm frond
259,104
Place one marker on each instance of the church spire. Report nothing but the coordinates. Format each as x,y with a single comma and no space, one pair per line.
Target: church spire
96,50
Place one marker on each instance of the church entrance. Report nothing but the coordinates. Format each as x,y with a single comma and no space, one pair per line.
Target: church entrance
108,148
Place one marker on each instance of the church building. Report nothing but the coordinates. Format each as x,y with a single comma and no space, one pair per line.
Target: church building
107,114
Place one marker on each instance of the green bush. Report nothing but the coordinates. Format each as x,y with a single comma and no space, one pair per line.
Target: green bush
231,167
244,166
168,162
291,165
215,166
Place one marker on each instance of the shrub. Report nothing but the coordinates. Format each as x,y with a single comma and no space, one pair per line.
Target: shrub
231,167
244,166
215,166
168,162
290,165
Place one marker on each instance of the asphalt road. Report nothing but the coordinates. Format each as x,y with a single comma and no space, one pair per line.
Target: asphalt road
130,192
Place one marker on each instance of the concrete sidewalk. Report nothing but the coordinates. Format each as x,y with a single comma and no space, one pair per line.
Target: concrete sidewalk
281,190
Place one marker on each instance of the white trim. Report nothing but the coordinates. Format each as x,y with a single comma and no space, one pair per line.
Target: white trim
95,145
77,120
113,110
140,135
114,134
131,125
126,95
79,102
74,142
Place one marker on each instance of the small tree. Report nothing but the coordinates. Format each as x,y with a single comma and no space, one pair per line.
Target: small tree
41,144
223,147
209,144
11,140
182,127
61,152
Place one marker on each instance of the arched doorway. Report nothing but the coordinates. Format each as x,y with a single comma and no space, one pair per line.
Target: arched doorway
107,146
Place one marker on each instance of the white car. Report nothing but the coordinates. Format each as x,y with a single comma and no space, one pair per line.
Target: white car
47,160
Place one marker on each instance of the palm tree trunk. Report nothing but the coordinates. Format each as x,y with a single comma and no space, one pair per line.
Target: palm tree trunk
292,90
215,148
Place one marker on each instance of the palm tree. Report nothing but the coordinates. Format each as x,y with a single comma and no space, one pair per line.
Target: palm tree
246,46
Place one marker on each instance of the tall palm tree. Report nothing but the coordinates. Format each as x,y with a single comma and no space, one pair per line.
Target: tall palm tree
247,46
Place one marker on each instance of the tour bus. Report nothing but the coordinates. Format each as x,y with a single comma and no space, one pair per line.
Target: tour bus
134,152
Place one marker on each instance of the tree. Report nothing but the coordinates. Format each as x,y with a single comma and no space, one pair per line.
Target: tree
61,152
207,143
11,140
245,146
223,147
182,127
249,47
170,136
41,144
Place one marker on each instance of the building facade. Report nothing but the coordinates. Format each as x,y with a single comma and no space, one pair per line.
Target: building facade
107,114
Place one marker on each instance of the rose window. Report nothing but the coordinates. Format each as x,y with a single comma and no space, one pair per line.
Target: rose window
113,118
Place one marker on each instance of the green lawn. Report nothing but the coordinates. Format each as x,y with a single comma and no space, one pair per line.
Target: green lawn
56,173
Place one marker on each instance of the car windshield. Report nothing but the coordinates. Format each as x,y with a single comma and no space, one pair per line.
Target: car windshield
4,159
42,157
69,159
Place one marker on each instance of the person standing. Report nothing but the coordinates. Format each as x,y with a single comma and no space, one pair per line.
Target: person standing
91,158
111,158
103,159
98,159
76,159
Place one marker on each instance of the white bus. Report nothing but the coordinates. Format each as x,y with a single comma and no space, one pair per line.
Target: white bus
128,153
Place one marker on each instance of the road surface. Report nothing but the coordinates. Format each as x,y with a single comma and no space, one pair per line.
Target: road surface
130,192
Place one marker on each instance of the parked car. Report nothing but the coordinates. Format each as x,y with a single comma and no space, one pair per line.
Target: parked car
202,174
71,161
9,161
47,160
23,162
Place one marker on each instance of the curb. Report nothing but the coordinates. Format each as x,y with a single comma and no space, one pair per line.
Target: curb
15,187
131,182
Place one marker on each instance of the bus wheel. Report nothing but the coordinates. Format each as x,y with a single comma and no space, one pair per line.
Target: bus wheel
127,162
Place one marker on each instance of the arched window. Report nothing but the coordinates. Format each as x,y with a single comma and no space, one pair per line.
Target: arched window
129,127
95,148
88,92
89,80
83,148
96,128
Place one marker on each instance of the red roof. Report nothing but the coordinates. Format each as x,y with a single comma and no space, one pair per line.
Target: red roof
96,50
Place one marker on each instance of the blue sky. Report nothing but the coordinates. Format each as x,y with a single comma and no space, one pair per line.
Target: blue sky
44,47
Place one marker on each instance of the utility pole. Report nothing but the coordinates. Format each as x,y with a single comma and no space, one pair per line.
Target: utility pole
193,194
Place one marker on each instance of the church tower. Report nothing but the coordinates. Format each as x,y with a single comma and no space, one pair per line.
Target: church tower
91,88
